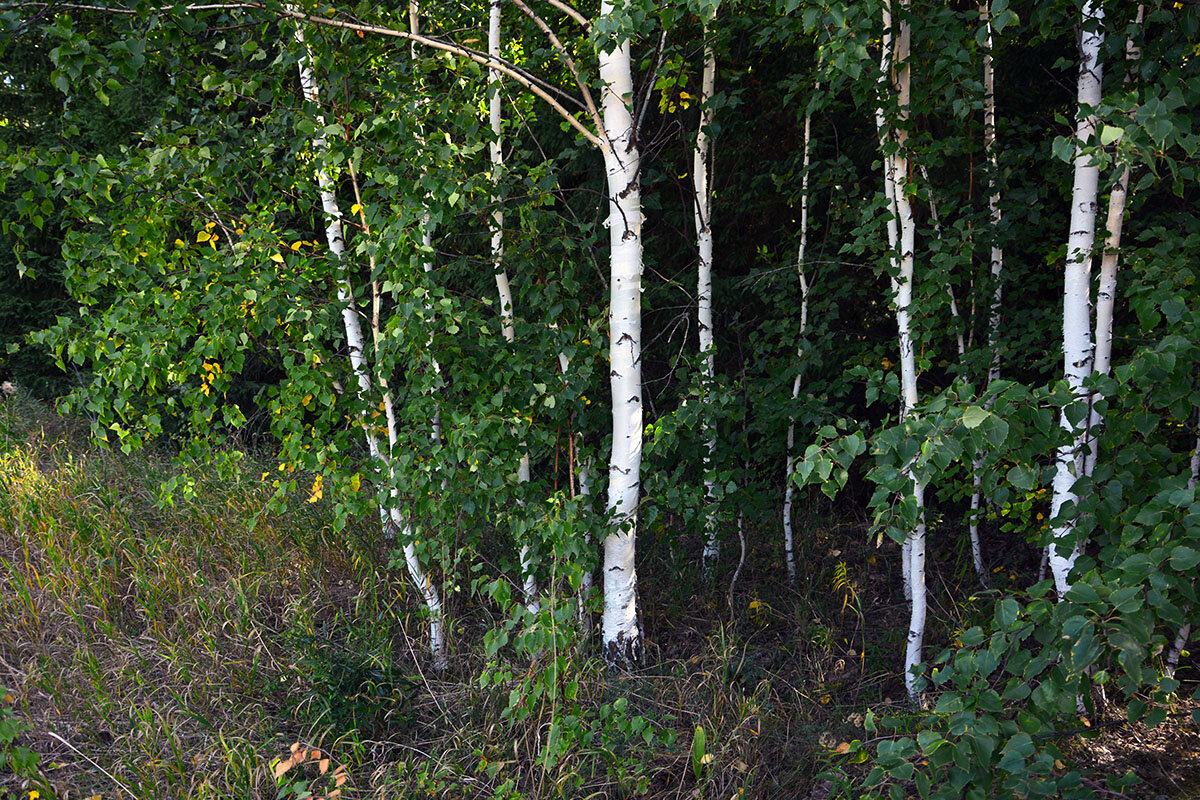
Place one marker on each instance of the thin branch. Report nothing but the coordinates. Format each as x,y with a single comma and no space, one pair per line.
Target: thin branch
662,41
520,76
572,13
566,57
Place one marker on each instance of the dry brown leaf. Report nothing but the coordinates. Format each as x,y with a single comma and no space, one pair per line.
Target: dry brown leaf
295,746
282,767
323,765
842,748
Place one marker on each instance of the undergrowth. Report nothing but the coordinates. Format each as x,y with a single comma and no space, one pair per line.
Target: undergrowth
210,649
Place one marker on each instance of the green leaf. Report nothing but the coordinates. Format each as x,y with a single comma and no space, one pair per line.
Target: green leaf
1110,134
699,741
1022,477
1007,611
1183,558
974,416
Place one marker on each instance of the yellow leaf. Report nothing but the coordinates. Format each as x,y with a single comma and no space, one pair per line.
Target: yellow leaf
354,209
707,758
208,226
318,490
203,236
307,399
356,482
278,259
180,243
297,245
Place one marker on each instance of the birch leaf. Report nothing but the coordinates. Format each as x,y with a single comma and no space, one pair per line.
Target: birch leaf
974,416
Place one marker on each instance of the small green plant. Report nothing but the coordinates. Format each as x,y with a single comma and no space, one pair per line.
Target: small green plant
17,760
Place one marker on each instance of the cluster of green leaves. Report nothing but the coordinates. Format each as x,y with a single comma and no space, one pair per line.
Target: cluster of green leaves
17,760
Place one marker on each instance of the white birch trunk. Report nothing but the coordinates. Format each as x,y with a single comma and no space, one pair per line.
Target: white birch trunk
583,474
896,76
620,630
1106,292
529,578
704,241
435,426
996,263
789,465
355,343
993,159
1077,350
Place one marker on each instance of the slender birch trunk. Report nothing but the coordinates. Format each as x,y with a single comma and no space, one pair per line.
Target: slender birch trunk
977,462
897,77
993,158
495,150
1077,350
583,475
789,465
427,226
1106,292
996,265
621,632
704,241
355,343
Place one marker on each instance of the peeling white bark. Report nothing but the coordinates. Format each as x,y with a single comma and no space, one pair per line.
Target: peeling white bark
1077,350
789,465
355,343
993,159
1106,292
620,631
896,79
704,241
503,289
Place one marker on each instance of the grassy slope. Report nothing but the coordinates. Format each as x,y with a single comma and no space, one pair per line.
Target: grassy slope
161,647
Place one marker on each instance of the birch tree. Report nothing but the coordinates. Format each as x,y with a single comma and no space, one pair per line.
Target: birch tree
789,491
1076,339
621,631
893,138
701,160
1106,292
390,517
996,268
503,288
